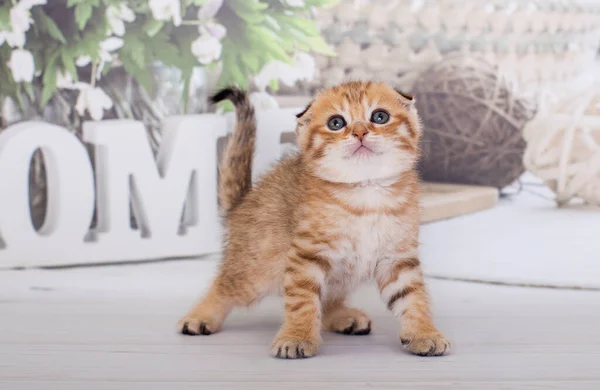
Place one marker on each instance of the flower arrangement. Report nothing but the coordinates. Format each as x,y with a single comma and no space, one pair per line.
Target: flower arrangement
49,46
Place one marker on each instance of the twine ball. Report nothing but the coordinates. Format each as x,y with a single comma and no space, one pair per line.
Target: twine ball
563,146
472,123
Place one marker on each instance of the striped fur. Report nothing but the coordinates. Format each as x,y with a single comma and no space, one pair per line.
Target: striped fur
235,173
324,221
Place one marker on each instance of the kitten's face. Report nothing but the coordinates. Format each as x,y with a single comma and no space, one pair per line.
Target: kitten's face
359,131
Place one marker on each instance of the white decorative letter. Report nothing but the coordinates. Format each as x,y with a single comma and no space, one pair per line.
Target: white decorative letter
271,124
185,173
173,196
70,194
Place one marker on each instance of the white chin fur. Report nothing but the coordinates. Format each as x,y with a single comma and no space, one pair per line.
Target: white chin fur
337,167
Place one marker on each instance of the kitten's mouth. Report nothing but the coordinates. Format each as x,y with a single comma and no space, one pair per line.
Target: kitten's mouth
362,150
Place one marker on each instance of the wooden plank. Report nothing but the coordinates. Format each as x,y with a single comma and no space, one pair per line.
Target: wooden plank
286,385
59,338
113,328
442,201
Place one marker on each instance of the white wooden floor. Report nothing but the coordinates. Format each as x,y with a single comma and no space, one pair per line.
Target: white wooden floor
114,328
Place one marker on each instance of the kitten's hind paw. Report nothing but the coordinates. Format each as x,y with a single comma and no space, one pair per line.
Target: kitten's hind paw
348,321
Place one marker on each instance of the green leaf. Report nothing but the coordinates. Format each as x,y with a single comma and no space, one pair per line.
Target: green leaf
89,46
238,76
250,16
142,75
153,26
46,24
319,45
272,23
17,96
68,62
212,67
5,19
254,5
265,42
29,90
49,80
139,6
251,61
83,12
321,3
304,25
92,3
274,84
187,3
168,54
226,106
137,55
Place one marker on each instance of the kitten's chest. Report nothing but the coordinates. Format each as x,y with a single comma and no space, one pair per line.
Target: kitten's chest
366,238
361,240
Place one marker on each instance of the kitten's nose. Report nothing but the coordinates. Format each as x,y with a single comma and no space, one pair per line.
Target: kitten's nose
360,131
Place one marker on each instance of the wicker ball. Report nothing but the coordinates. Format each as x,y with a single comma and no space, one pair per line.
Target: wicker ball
563,146
472,123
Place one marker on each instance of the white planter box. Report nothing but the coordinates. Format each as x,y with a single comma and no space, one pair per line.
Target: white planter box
174,197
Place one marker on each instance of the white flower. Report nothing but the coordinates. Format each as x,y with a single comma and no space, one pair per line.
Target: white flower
22,65
82,61
93,100
20,15
166,10
206,49
263,101
117,15
20,21
215,29
30,3
209,9
303,69
107,46
20,18
305,65
294,3
65,80
14,39
275,70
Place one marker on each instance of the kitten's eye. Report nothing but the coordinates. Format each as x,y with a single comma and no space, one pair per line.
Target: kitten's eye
380,117
336,123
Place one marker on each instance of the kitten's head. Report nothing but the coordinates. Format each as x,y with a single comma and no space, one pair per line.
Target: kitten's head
359,131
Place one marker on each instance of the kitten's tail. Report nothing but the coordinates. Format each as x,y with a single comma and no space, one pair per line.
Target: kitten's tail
235,173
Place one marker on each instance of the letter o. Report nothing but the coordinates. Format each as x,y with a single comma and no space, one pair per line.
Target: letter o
70,188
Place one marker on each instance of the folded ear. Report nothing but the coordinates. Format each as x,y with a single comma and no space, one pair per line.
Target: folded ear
405,98
301,114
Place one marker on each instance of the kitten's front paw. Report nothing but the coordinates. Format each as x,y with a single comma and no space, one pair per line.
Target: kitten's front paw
193,326
425,344
292,348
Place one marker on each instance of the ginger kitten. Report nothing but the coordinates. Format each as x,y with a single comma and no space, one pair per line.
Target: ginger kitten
344,210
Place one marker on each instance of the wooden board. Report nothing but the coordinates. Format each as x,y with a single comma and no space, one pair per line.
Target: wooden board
112,328
442,201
